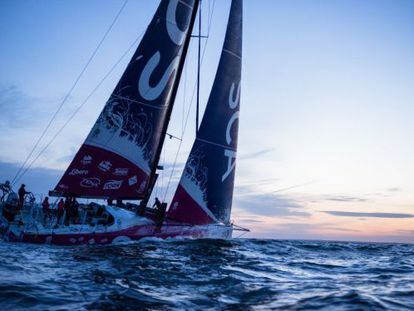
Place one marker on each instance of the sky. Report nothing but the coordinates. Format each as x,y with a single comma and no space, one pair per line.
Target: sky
325,142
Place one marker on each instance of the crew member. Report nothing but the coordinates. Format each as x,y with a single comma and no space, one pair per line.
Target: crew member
60,211
22,193
75,211
68,210
157,204
46,209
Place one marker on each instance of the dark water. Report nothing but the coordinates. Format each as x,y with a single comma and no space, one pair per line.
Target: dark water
235,275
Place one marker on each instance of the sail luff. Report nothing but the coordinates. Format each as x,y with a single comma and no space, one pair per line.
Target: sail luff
173,97
118,157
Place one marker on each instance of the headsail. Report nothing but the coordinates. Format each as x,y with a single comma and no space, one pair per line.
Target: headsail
120,153
204,194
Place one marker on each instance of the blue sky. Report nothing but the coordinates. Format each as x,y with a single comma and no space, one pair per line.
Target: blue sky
325,143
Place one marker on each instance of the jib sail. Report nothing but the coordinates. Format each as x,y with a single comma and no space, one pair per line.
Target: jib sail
120,153
204,194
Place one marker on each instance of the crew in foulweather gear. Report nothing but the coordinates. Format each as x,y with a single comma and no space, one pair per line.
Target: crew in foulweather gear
75,211
157,204
68,204
22,193
60,211
46,209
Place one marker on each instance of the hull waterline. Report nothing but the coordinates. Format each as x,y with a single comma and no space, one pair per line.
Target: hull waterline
134,233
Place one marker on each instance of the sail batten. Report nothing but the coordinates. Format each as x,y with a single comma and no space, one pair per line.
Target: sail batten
205,191
120,154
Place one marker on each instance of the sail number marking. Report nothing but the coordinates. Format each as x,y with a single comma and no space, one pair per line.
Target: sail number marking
177,37
229,153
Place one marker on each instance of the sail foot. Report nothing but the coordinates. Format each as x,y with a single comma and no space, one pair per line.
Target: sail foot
185,209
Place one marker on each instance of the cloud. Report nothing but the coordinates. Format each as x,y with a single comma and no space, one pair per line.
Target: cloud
37,180
376,215
17,108
394,189
344,198
256,154
248,220
269,205
11,105
338,229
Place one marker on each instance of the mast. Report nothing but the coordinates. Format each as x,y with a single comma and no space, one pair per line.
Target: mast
198,69
153,174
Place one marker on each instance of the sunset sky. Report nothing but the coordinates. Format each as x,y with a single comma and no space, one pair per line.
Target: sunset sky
327,111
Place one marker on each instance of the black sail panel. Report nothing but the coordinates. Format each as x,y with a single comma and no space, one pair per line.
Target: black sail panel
205,192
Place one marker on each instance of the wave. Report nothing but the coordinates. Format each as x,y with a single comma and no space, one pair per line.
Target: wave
208,274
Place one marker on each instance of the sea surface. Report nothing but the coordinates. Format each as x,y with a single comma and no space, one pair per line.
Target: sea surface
241,274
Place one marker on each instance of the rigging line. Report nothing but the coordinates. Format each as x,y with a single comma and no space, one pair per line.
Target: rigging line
189,108
275,191
69,93
80,106
198,67
184,98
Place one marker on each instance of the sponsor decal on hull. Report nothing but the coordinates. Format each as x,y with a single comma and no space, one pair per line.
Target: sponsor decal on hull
121,171
105,166
86,160
76,172
133,180
90,182
113,185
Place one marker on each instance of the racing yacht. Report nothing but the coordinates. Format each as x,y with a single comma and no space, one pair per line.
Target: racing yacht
119,159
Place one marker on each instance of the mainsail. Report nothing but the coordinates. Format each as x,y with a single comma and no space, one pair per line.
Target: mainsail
120,154
204,194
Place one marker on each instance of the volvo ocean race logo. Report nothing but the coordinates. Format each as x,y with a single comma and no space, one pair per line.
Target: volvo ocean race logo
121,171
112,185
86,160
90,182
105,166
75,172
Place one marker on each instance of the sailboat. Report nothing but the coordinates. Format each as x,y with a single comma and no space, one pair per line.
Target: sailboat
119,160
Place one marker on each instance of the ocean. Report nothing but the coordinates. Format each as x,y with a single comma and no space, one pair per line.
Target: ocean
240,274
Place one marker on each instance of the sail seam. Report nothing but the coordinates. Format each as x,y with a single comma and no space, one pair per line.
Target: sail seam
215,144
232,53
